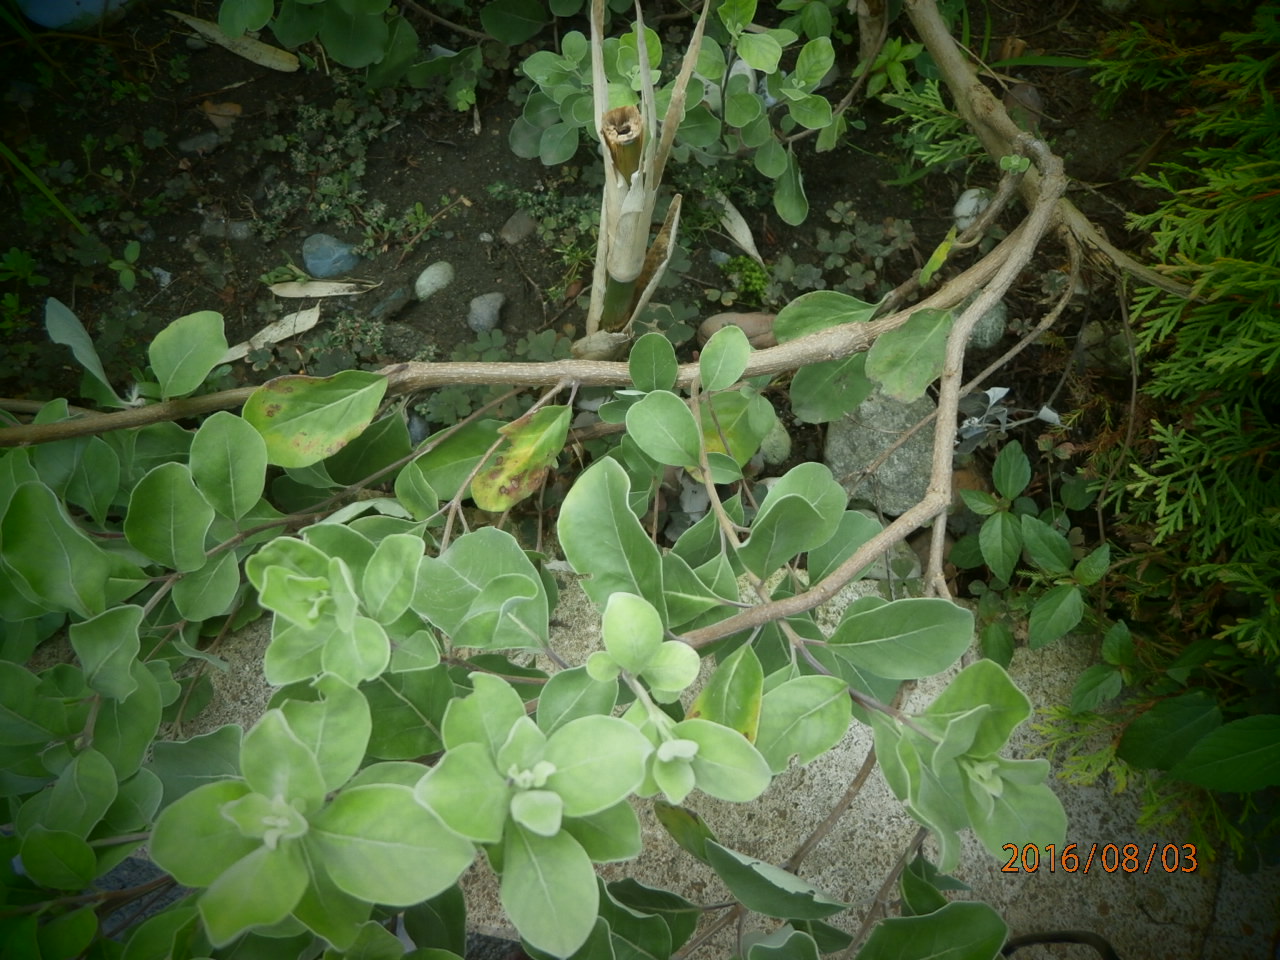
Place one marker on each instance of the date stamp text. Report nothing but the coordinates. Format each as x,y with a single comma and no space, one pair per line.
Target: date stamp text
1107,857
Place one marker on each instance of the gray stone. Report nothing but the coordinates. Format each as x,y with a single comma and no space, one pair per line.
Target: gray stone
486,312
325,256
519,226
990,328
858,438
215,226
205,142
433,279
391,303
775,448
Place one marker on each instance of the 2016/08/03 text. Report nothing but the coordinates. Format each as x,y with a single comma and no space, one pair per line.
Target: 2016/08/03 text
1109,857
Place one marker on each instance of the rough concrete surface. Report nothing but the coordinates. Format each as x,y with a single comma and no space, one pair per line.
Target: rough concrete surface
1211,914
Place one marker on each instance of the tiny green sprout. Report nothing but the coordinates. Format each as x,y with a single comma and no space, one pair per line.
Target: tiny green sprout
1015,163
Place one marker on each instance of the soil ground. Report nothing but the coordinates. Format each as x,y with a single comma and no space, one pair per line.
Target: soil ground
109,121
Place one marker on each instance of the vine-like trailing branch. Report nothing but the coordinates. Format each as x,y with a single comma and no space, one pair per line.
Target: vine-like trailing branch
406,378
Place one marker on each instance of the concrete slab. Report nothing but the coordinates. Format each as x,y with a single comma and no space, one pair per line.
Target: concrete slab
1210,913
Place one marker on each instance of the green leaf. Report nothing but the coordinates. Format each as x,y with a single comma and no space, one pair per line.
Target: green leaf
54,564
740,419
733,695
855,529
106,646
981,684
379,844
484,716
800,513
275,762
726,766
609,836
95,480
760,51
549,890
484,592
516,470
210,591
598,761
724,358
816,58
57,859
237,17
963,930
679,914
70,934
331,913
1238,757
1162,736
407,710
306,419
539,811
812,111
390,578
664,428
632,631
907,359
1054,615
788,195
352,37
125,728
183,353
819,310
193,841
187,764
601,536
905,639
1117,645
826,391
741,107
806,716
1018,808
571,694
440,923
1093,567
169,518
64,327
335,730
652,363
1047,547
467,792
784,943
449,462
415,492
770,158
1012,471
256,891
557,144
767,889
1097,685
1001,542
512,21
80,796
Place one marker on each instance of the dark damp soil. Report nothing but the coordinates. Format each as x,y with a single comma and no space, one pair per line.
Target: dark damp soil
219,169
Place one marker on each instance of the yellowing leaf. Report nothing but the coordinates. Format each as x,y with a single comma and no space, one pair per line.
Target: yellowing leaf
518,467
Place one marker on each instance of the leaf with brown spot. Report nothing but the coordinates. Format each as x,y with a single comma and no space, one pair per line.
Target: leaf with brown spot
517,468
305,419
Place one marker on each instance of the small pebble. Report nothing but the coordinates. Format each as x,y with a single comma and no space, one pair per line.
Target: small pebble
485,312
519,226
775,448
391,304
325,256
227,229
990,328
205,142
433,279
969,206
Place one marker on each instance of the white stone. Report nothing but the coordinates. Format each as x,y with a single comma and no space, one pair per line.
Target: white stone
433,279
